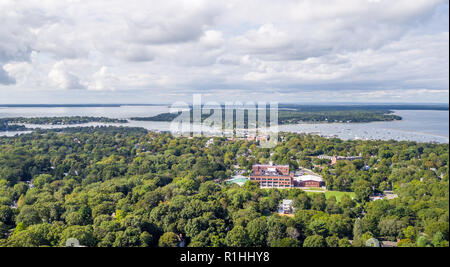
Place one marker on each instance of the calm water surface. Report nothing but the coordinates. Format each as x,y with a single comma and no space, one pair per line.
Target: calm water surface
121,112
417,125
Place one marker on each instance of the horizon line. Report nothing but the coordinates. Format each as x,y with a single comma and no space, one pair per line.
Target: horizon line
281,103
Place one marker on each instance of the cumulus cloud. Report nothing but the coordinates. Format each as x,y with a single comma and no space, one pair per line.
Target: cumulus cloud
103,79
173,22
252,47
5,78
62,78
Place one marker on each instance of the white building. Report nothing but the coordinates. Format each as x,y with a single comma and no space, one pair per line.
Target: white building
286,207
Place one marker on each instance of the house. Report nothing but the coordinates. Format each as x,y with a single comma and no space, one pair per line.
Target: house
375,197
308,181
272,176
286,207
389,195
209,142
325,157
335,159
262,138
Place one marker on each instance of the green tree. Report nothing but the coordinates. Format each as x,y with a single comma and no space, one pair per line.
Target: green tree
84,234
410,232
146,239
6,215
332,241
285,242
237,237
357,229
168,239
28,215
344,243
257,231
439,240
405,243
315,241
362,190
318,227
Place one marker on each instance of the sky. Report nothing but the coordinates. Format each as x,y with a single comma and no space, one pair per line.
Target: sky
95,51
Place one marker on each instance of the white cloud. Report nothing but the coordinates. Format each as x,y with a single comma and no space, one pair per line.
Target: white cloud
103,80
212,39
252,46
62,78
265,38
5,78
171,22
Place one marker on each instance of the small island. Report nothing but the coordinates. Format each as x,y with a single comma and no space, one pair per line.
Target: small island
5,127
17,124
159,117
64,120
298,113
347,116
294,116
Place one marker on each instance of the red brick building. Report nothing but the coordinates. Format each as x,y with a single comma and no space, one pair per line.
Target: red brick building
272,176
308,181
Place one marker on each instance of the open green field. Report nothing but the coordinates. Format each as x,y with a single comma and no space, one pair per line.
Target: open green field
337,194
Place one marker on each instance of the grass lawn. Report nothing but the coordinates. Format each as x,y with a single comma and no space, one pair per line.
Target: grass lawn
337,194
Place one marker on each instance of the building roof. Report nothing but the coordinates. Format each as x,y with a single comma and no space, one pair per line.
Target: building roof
269,165
287,202
238,179
239,176
308,178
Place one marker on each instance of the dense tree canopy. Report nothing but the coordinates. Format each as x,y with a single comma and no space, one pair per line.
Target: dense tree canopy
128,187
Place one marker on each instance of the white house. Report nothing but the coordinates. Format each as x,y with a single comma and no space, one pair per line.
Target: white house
286,207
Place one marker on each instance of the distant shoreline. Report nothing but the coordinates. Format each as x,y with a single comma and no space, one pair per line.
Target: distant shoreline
282,106
338,130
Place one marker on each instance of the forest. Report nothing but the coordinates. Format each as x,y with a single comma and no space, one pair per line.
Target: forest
127,187
16,124
297,113
63,120
290,117
159,117
5,126
294,116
